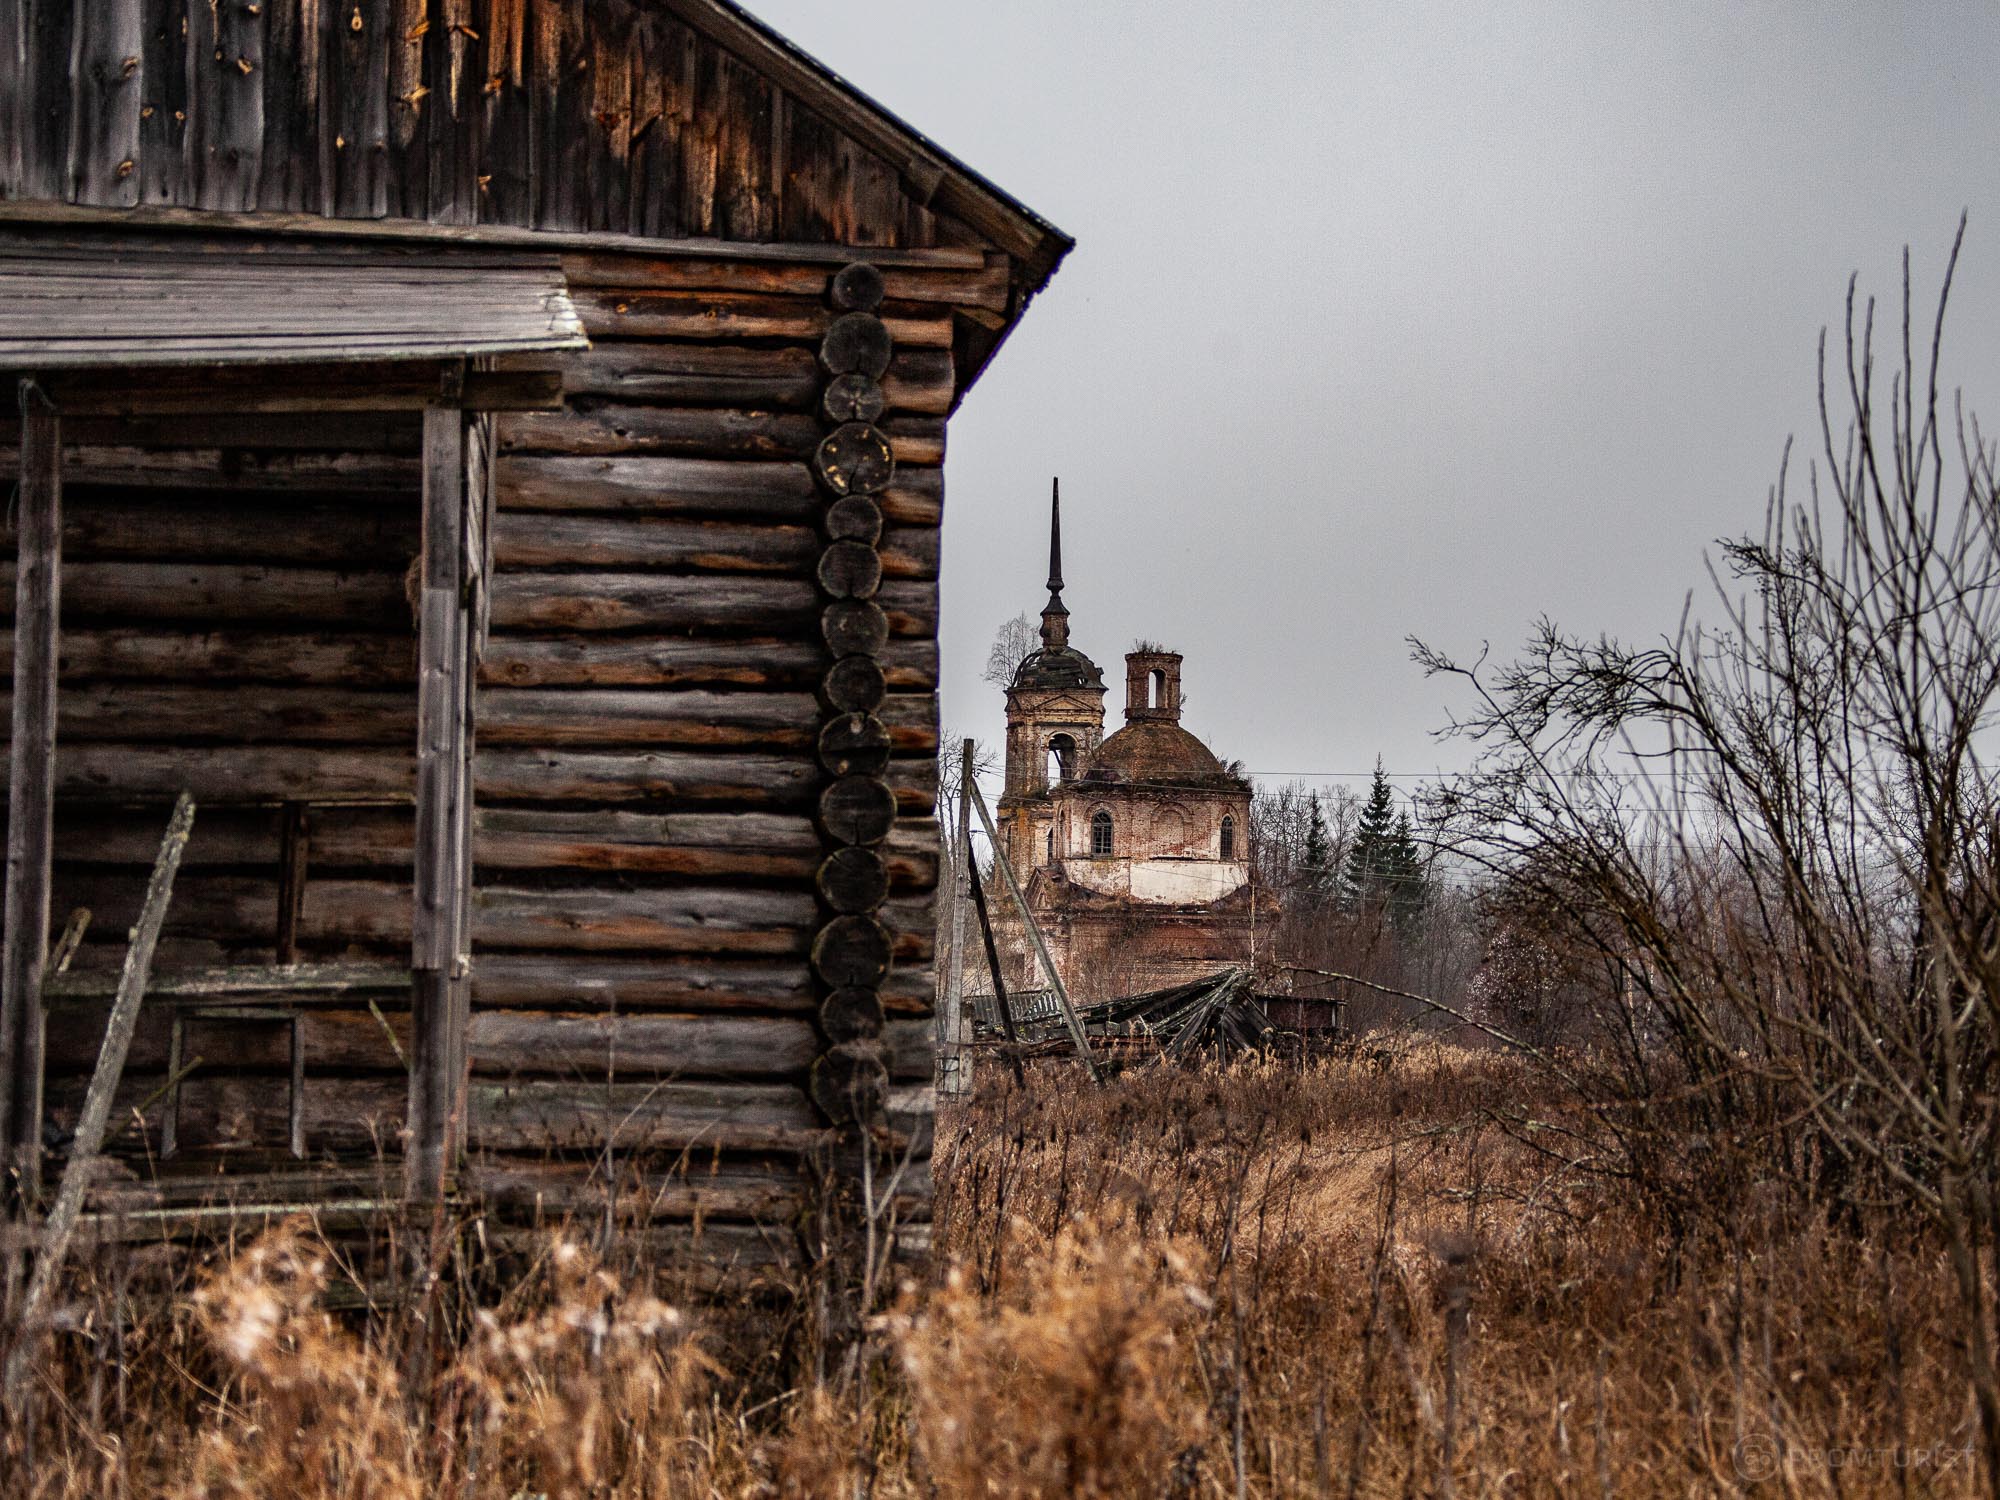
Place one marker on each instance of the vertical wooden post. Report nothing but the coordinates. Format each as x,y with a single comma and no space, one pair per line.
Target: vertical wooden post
294,852
953,1062
440,869
31,784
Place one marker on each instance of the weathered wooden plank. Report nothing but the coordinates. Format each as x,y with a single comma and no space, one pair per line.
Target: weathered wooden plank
289,177
686,486
317,430
522,540
122,526
31,785
296,982
592,426
235,773
746,185
636,601
773,1192
558,102
209,712
653,661
357,49
741,315
104,135
491,233
535,1114
225,137
411,100
44,40
673,918
557,541
442,871
668,919
530,1044
984,286
95,1114
237,469
703,846
356,660
506,160
697,487
610,982
657,777
453,55
611,716
784,378
230,397
231,593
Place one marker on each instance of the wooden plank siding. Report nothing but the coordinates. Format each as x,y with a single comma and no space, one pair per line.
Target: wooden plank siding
701,693
646,772
614,115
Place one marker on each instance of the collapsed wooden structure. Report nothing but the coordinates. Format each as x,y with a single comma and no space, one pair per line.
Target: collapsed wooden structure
1217,1015
488,452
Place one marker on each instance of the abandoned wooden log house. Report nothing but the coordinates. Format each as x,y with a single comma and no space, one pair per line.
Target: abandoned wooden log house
489,454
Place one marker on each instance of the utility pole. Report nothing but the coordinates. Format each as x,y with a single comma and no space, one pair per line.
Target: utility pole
1035,936
954,1064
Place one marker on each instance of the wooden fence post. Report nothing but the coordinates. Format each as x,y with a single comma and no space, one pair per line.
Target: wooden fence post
31,784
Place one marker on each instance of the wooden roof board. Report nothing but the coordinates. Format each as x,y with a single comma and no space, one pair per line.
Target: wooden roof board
645,122
81,310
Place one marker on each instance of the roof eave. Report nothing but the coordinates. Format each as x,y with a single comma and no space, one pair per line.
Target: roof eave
933,176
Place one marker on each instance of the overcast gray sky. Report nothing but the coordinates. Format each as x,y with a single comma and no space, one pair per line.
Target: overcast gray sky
1391,318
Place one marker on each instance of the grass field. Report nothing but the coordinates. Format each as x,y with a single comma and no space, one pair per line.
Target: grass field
1339,1279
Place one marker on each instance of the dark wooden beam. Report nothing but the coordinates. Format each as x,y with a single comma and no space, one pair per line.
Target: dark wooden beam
398,385
442,783
31,783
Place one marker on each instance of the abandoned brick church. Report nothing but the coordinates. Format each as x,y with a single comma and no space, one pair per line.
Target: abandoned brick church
1133,846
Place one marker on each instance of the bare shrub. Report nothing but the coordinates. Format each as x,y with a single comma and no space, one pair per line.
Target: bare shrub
1795,910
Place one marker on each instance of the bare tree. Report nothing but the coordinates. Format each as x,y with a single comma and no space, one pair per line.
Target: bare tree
1013,643
1792,905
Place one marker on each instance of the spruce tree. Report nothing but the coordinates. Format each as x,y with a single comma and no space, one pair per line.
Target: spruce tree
1316,864
1404,887
1362,879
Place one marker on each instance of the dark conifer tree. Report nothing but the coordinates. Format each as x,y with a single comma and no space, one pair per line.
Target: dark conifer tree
1367,868
1316,863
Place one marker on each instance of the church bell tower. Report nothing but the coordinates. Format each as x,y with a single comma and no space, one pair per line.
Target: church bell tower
1055,718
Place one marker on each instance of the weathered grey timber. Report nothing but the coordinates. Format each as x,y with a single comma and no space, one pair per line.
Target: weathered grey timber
564,719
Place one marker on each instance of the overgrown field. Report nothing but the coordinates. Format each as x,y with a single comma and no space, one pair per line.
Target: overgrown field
1362,1277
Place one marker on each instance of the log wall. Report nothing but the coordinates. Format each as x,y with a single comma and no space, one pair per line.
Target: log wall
687,634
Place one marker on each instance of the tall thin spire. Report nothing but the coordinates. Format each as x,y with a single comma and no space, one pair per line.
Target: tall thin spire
1055,536
1055,618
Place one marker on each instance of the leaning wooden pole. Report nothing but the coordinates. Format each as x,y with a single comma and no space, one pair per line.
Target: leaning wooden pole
1002,1007
1035,936
31,784
96,1117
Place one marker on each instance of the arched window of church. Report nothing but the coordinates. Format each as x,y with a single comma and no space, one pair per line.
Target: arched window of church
1062,759
1228,837
1100,833
1052,844
1156,689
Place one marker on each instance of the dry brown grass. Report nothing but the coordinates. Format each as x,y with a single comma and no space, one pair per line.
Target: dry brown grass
1266,1281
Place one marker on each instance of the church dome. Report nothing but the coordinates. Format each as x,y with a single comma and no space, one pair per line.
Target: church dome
1057,667
1156,750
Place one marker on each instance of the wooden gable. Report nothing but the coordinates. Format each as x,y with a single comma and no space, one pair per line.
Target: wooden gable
662,119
